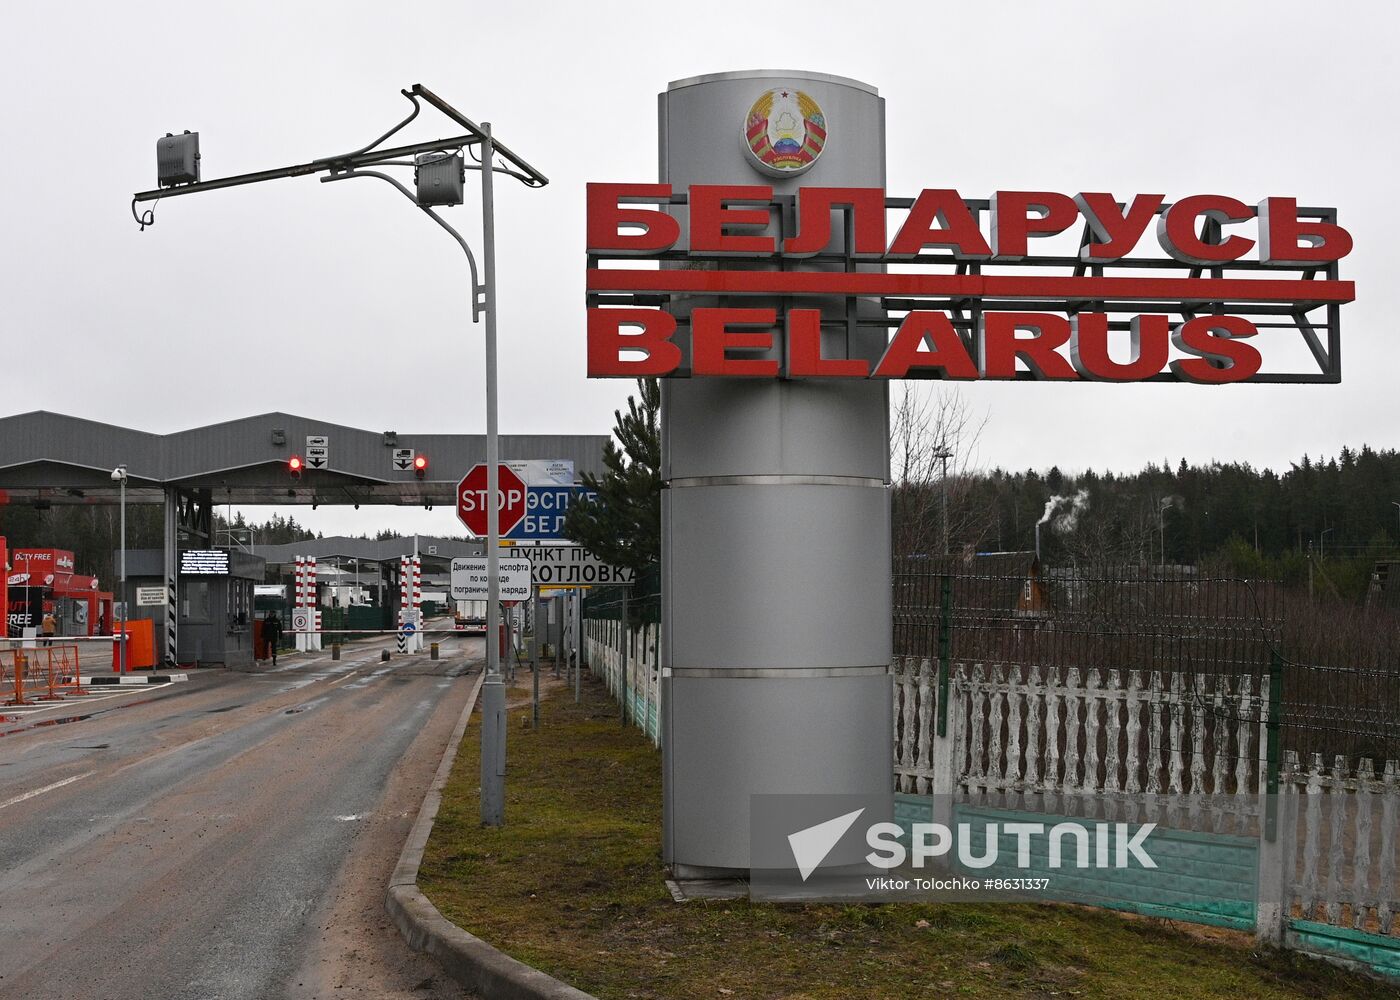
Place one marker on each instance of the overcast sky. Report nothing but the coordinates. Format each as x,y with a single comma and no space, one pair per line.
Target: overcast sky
337,301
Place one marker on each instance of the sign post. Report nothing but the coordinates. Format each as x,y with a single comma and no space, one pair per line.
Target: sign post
626,645
535,658
490,498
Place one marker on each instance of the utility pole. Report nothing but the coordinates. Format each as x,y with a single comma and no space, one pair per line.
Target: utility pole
439,171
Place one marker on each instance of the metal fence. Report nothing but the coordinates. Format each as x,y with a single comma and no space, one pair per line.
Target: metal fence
1338,667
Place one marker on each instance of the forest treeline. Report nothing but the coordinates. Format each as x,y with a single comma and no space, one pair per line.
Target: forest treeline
1340,511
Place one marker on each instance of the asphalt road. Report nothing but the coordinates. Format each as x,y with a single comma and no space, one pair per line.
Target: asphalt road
226,837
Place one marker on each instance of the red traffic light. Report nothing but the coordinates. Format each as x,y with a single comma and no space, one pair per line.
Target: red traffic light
294,466
420,465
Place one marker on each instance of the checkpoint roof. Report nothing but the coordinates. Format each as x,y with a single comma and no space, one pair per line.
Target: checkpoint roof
55,458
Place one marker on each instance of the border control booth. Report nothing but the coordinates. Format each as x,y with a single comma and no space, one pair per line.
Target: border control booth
214,599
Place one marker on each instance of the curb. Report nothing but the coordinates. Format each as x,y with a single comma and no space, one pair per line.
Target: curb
104,679
475,964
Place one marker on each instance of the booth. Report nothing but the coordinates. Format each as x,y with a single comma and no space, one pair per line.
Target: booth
214,602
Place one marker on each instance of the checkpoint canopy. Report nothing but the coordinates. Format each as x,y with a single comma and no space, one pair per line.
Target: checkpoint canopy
57,459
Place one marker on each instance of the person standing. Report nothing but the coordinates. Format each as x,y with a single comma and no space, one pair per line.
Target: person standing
49,627
272,633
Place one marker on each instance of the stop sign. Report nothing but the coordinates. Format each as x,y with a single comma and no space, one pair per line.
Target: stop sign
472,504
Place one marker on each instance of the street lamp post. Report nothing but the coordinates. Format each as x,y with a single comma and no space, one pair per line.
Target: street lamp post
435,163
1162,529
119,476
943,453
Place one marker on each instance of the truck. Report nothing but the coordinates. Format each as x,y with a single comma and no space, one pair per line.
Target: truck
470,616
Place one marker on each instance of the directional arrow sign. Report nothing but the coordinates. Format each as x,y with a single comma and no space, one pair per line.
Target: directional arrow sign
403,459
318,451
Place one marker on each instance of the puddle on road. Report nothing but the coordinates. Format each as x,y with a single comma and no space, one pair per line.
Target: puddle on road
64,720
47,722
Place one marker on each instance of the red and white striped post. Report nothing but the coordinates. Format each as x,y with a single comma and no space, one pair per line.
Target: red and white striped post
313,641
300,591
418,603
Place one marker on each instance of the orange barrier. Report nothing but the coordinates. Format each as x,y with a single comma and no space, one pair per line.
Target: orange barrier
52,669
140,645
14,664
59,670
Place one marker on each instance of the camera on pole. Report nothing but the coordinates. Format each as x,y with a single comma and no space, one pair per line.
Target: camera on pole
177,159
440,178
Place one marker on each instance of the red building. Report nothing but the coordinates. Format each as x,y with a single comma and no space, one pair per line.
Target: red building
44,581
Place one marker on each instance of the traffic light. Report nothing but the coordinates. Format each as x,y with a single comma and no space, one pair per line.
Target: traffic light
294,466
420,465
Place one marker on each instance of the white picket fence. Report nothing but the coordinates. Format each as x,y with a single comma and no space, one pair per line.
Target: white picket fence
1022,728
1033,731
605,654
1347,824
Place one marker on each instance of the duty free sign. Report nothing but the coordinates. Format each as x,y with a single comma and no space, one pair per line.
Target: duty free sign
1195,290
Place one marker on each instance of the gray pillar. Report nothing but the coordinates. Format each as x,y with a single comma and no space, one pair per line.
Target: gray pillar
775,524
172,577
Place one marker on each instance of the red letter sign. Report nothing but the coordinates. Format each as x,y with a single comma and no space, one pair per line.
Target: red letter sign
606,342
710,338
710,214
1280,230
606,217
1176,229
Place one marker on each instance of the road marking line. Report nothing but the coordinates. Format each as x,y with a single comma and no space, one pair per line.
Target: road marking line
47,788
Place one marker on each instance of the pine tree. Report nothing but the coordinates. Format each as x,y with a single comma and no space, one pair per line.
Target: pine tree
623,526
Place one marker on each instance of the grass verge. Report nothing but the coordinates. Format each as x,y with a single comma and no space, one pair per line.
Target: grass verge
573,885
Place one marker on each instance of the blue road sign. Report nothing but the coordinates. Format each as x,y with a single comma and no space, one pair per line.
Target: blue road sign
545,509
